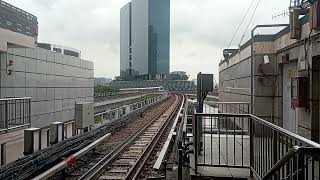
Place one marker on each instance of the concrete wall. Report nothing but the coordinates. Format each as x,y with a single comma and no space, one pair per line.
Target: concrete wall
54,82
235,79
15,39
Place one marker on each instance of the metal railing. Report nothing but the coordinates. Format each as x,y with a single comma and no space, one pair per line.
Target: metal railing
14,112
298,163
231,107
246,141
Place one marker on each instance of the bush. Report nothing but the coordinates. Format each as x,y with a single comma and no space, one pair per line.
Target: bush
104,89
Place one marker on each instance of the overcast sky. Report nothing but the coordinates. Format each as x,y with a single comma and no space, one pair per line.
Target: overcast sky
200,29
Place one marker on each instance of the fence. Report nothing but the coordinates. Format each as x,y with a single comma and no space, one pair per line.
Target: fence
246,141
231,107
14,112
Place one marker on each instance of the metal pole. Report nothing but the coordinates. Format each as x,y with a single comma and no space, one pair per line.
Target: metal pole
275,150
252,59
251,129
29,115
6,116
195,141
180,164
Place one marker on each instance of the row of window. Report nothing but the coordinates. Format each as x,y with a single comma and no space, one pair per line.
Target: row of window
18,28
17,10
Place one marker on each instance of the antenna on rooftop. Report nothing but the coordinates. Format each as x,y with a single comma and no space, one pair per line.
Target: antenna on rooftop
283,14
301,5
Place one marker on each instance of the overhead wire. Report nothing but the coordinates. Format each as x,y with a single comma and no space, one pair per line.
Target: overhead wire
242,20
254,12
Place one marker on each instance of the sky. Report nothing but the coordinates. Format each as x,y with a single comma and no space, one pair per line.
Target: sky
200,29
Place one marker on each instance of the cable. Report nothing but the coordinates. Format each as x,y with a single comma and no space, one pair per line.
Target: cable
255,9
28,166
243,18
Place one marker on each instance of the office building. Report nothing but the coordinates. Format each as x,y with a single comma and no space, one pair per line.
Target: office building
18,28
145,39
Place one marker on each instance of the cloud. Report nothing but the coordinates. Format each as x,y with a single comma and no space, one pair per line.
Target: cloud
45,3
200,29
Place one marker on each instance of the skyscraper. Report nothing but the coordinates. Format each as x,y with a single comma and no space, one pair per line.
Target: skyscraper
145,38
125,41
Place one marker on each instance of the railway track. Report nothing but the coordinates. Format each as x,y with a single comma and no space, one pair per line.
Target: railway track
128,159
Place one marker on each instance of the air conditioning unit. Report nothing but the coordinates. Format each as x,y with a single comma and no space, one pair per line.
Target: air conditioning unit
84,115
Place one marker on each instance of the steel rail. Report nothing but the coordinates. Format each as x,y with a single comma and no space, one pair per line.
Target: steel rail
98,167
138,166
169,139
21,169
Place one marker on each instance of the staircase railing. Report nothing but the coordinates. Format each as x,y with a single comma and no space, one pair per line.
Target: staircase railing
298,163
247,141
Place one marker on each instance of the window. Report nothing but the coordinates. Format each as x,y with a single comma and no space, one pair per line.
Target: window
71,53
58,50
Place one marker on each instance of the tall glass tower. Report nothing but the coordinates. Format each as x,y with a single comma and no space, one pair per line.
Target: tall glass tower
145,38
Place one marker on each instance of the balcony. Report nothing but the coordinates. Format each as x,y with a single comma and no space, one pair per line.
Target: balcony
233,143
14,113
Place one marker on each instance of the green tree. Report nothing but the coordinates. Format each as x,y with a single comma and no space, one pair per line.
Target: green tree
104,89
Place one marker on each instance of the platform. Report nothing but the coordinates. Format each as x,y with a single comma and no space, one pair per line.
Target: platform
232,153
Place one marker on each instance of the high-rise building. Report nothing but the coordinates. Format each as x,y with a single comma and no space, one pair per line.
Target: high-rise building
125,41
145,38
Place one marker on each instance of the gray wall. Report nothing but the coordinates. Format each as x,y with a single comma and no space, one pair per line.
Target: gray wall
55,82
235,82
235,86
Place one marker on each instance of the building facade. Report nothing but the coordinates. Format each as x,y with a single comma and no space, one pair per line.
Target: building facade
55,82
39,83
125,41
285,78
17,27
145,38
